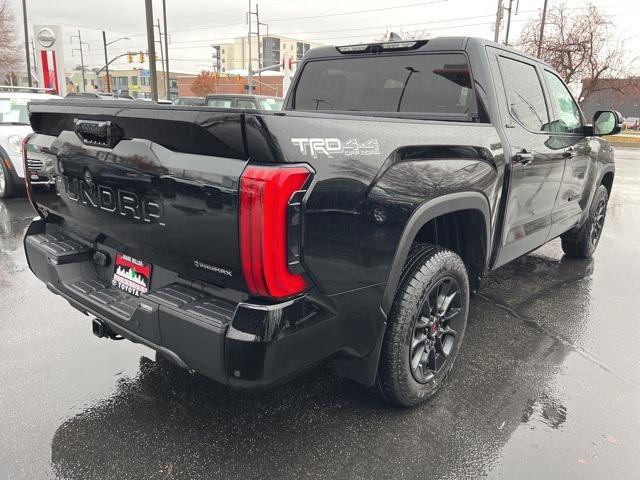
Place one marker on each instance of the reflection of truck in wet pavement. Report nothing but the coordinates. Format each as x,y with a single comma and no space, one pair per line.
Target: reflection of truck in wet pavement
352,226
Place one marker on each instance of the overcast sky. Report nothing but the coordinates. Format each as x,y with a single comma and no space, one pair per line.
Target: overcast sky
195,24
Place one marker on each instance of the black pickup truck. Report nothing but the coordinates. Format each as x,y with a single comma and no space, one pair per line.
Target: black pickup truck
352,227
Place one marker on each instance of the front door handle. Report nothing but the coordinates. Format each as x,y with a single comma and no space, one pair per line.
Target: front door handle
523,157
570,152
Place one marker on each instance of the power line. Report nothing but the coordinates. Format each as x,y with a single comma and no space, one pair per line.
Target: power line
421,4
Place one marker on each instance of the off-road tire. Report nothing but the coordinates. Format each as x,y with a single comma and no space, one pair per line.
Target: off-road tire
425,267
579,243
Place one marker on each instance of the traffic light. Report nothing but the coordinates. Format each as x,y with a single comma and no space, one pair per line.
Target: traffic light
130,57
237,76
141,57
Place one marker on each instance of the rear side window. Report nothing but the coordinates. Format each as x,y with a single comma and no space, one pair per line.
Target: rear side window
219,102
271,104
245,104
438,84
524,94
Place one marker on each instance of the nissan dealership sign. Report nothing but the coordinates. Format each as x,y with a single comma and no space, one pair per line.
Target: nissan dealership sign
46,38
47,42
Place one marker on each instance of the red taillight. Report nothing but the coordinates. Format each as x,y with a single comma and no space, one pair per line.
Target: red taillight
265,193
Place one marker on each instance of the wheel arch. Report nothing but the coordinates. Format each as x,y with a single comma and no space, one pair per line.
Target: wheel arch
459,203
607,179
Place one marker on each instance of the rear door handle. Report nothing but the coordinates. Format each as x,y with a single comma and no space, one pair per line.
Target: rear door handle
523,157
569,152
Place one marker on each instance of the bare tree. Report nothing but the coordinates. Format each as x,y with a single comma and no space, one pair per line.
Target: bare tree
411,35
581,45
10,50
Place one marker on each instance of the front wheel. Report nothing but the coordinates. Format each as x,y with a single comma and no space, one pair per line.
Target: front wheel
8,188
583,242
425,327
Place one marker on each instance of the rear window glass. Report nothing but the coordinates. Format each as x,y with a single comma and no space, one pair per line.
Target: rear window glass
429,83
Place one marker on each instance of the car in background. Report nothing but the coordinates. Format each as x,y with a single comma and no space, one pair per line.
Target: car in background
252,102
189,101
14,126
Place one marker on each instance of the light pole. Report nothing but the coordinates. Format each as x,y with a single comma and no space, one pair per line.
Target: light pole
26,41
106,60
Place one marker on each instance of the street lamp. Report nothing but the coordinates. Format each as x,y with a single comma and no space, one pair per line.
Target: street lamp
106,59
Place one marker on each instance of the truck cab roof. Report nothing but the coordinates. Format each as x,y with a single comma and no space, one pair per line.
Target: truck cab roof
417,46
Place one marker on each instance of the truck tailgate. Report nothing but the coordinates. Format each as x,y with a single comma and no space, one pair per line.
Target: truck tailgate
157,184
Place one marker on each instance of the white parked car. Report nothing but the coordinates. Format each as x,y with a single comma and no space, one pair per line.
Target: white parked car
14,126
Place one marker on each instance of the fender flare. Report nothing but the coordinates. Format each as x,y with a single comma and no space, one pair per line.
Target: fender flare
608,168
424,213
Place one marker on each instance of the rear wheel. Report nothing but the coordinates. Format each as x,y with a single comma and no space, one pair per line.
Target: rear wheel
583,242
425,327
7,186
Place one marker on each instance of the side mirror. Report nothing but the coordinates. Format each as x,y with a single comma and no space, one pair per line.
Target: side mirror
607,122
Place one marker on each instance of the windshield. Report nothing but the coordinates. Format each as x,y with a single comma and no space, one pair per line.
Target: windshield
14,110
438,84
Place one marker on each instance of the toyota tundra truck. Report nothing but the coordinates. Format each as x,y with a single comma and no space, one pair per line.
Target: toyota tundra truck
353,227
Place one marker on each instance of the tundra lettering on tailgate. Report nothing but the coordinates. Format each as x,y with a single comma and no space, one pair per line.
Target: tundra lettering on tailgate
119,201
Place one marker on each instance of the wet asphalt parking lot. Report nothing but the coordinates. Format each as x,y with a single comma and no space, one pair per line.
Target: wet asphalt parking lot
547,385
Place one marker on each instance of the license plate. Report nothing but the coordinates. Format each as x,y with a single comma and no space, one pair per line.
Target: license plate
131,275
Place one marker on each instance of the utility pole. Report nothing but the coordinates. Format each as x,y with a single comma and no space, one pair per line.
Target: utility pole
162,58
106,60
166,44
498,20
259,55
544,18
151,45
26,41
506,38
80,43
260,49
250,69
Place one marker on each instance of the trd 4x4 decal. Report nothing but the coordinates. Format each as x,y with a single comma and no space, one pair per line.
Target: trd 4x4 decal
329,146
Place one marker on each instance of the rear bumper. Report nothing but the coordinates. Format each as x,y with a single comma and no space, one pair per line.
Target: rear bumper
213,331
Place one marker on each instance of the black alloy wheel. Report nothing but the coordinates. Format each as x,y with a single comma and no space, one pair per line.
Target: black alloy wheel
435,331
598,223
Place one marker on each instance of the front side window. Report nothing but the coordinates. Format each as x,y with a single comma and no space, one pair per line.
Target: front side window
437,84
524,94
566,115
